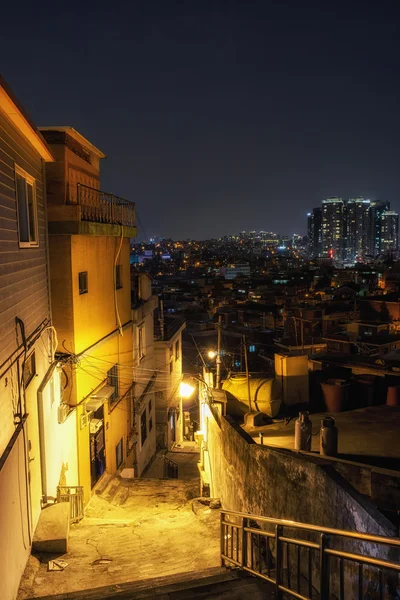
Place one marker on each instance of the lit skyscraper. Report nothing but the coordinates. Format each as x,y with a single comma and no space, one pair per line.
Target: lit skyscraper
315,232
356,228
376,211
332,228
389,231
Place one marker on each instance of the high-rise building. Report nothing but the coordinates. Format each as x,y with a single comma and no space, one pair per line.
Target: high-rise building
332,228
352,230
389,231
377,208
356,225
315,232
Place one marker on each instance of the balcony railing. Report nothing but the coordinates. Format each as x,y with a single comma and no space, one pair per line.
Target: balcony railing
100,207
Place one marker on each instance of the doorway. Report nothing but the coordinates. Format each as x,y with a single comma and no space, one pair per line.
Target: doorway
97,446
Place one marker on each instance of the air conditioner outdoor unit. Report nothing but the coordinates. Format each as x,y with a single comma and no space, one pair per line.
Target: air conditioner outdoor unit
63,411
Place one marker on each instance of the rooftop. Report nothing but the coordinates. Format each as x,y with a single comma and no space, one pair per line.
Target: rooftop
366,435
76,136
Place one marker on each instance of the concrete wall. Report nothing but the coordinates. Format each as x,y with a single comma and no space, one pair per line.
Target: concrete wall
15,534
278,483
60,443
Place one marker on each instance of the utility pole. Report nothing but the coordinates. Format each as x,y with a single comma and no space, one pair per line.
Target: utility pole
218,359
247,372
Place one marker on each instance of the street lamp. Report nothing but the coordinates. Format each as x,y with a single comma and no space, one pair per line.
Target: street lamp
185,391
211,354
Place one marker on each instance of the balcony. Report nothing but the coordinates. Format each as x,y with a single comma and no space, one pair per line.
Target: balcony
89,211
100,207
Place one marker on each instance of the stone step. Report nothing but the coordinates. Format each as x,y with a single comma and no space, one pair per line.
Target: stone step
103,483
209,584
111,489
121,495
52,531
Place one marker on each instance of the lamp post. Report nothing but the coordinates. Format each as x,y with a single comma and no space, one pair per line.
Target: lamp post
185,391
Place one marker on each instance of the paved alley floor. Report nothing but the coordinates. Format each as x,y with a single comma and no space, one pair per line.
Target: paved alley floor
134,530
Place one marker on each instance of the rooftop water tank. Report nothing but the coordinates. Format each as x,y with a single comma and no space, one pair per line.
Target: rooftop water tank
265,395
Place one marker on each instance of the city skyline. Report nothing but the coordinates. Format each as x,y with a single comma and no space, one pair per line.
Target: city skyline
217,118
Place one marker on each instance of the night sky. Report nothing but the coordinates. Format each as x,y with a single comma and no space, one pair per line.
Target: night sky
218,116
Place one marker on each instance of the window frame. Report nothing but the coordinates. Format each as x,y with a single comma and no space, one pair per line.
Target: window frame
143,425
118,277
83,289
119,453
113,379
30,360
29,180
141,342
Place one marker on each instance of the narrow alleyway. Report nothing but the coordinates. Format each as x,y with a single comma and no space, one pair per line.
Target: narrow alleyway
134,530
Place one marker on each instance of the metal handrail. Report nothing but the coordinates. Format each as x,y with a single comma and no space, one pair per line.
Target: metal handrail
254,550
328,530
171,468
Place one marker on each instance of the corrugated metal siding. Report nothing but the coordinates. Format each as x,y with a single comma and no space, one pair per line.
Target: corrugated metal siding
23,271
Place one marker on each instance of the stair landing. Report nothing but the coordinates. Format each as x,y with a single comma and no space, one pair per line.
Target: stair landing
52,531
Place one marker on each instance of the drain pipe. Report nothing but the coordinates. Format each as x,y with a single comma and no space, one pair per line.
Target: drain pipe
42,444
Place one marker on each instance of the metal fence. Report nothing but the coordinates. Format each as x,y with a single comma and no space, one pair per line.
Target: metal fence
74,495
170,468
101,207
308,562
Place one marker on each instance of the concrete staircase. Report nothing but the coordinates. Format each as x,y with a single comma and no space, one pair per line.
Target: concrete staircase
210,584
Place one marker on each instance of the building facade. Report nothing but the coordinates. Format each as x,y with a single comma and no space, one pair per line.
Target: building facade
315,232
89,249
143,417
27,341
168,351
351,230
389,231
332,228
376,211
356,228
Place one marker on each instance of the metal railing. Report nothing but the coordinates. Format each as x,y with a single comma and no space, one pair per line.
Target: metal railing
100,207
306,561
74,495
170,468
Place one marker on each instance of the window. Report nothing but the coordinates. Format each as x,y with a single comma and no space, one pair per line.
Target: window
141,342
118,277
143,428
29,369
150,406
25,186
83,282
177,350
112,375
119,452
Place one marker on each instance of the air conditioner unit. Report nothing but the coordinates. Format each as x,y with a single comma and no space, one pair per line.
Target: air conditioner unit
63,411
